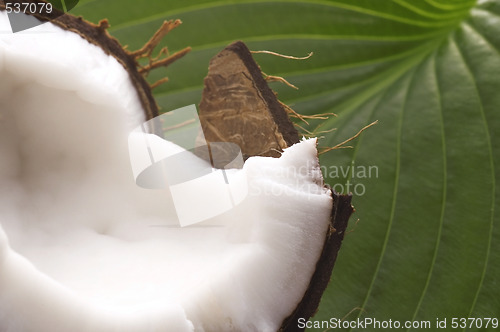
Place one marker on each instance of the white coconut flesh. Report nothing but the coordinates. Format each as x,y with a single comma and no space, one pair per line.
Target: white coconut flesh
83,248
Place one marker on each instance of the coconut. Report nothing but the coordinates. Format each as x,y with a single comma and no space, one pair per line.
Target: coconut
83,248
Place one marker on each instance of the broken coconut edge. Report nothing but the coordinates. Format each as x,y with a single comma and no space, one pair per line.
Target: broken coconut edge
284,135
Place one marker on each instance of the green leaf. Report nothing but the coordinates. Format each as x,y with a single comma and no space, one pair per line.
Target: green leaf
426,246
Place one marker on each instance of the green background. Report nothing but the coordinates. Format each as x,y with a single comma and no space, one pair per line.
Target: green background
426,245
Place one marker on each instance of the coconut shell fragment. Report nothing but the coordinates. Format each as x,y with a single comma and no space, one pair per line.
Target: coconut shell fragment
238,106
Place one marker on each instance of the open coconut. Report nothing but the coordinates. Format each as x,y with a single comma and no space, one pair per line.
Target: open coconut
83,248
